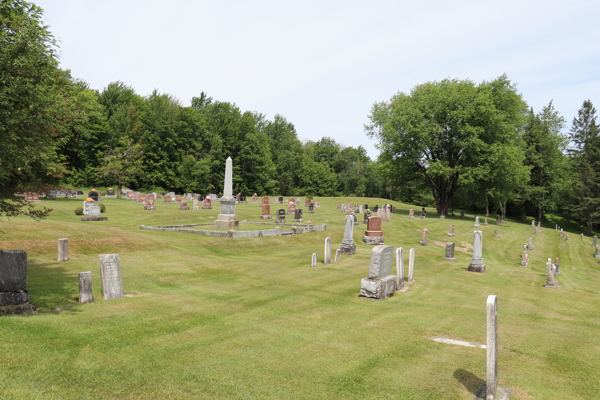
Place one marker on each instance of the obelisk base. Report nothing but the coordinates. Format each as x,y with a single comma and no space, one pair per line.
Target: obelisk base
226,219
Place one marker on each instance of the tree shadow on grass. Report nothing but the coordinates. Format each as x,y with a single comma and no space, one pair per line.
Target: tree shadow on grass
470,381
52,287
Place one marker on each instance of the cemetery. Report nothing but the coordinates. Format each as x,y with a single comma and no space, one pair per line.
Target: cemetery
141,279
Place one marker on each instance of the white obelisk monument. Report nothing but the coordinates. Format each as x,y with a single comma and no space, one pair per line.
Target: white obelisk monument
226,218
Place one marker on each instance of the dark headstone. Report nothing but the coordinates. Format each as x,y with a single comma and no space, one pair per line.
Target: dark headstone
311,208
110,192
92,194
13,277
375,208
298,214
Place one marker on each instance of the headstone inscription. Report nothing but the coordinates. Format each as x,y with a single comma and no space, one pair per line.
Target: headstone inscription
110,276
85,287
280,216
327,251
63,250
298,215
13,277
380,283
348,246
477,264
373,234
449,254
311,208
366,217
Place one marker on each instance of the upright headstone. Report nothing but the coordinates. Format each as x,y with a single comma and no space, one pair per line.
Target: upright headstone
530,244
265,211
226,218
327,251
449,254
485,223
492,348
298,215
582,236
87,204
533,223
551,281
150,205
311,208
110,276
348,246
13,277
476,224
477,264
337,255
254,198
85,287
314,260
291,207
280,216
561,232
495,233
94,195
411,265
177,199
452,231
63,250
423,241
51,195
597,253
373,234
422,214
366,217
183,205
168,199
380,283
207,203
399,268
594,240
110,192
524,259
557,263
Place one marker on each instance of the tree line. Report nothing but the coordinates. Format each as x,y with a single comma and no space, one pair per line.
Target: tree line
450,144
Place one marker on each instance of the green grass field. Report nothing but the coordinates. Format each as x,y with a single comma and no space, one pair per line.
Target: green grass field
216,318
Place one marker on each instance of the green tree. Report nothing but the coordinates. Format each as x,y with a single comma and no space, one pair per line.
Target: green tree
121,165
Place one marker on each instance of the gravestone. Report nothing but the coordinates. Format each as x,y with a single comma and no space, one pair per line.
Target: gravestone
32,197
150,205
561,233
291,207
373,234
265,211
110,192
207,203
254,198
380,283
449,254
524,259
495,233
411,265
422,214
348,246
63,250
85,287
298,215
452,231
497,221
311,208
143,198
533,223
280,200
530,244
423,241
597,253
411,213
314,260
338,206
551,281
343,208
150,196
557,264
13,277
477,264
86,206
110,276
594,240
327,251
476,225
462,214
213,197
366,217
94,195
337,255
227,218
375,208
359,209
297,201
183,205
280,216
51,195
582,236
485,223
238,197
167,199
178,199
399,268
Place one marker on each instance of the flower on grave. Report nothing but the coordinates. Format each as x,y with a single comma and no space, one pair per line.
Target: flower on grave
89,199
309,222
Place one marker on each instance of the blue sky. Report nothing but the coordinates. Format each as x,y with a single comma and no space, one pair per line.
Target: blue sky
322,65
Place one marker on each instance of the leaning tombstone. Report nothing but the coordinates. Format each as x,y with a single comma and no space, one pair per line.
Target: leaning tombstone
477,264
85,287
280,216
524,259
423,241
347,246
298,215
327,251
476,225
449,254
380,283
110,276
373,234
452,231
13,279
63,250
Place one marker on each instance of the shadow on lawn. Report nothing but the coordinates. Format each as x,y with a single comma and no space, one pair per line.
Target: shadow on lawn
470,381
52,288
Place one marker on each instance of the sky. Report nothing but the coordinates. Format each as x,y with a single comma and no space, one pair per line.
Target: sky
323,64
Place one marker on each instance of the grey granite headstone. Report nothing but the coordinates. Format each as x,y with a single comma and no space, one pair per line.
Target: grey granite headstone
314,260
94,212
348,246
477,264
449,254
380,283
63,250
13,277
110,276
85,287
399,268
530,244
381,262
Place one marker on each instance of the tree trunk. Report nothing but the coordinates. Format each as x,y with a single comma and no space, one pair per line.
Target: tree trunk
504,210
487,206
540,213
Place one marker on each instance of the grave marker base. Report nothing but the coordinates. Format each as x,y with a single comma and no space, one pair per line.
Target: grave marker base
477,268
266,217
378,289
501,393
450,259
373,240
348,249
95,219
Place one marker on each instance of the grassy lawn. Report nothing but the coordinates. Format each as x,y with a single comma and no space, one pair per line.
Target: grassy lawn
216,318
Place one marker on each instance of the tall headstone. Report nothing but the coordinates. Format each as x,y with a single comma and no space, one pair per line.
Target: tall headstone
373,234
399,268
533,223
477,264
85,287
13,277
110,276
594,240
226,218
492,347
348,246
63,250
530,244
597,253
314,260
449,254
476,225
311,208
327,251
411,265
452,231
265,211
380,283
337,255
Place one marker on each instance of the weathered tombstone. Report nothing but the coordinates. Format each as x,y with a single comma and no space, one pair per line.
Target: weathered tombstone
265,211
254,198
13,277
227,217
476,225
150,196
314,260
423,241
183,205
143,198
238,197
51,195
477,264
337,255
298,215
94,195
207,203
594,240
178,199
495,233
327,251
280,216
195,204
87,204
311,208
561,233
411,265
110,276
348,246
449,254
551,281
150,205
411,213
373,234
452,231
557,263
485,223
297,201
422,214
582,236
291,207
167,199
85,287
399,268
566,237
524,259
366,217
533,223
63,250
380,283
597,253
497,221
530,244
343,208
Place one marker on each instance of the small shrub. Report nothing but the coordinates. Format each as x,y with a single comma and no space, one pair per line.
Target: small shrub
79,211
102,207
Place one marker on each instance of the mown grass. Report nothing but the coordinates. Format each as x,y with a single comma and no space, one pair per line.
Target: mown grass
249,318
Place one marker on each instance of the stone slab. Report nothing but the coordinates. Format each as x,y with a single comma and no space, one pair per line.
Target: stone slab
347,249
477,268
373,240
501,393
95,219
378,289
